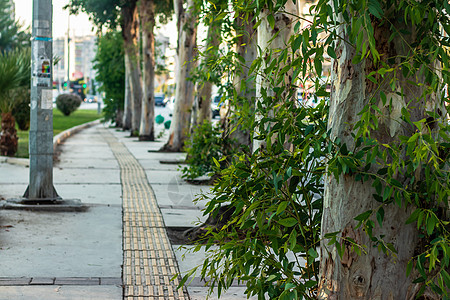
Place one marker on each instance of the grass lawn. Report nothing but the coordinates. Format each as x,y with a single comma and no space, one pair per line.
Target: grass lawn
60,123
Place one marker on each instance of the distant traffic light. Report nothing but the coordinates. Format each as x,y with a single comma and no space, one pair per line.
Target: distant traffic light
65,84
84,85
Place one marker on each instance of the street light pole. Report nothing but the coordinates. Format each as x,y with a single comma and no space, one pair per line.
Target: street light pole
40,188
68,52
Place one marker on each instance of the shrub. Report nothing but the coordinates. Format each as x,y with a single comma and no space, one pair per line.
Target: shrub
21,110
203,146
68,103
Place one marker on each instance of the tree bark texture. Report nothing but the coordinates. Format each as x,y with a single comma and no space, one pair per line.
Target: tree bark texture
373,275
184,92
284,26
213,40
147,13
119,118
8,135
130,32
127,112
244,82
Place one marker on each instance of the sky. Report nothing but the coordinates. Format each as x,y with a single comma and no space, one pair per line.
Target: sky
80,25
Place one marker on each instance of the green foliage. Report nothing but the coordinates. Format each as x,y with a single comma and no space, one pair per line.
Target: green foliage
106,13
276,192
103,13
12,35
202,149
15,70
60,124
68,103
21,110
411,172
110,66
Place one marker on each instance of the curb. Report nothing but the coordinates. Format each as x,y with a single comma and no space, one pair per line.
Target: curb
57,140
15,161
61,137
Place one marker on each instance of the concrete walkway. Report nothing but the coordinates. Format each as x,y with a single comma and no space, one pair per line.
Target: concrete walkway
118,248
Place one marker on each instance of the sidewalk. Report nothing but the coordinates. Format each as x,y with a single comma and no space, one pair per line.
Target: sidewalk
68,255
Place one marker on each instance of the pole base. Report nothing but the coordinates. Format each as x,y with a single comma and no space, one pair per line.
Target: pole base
50,205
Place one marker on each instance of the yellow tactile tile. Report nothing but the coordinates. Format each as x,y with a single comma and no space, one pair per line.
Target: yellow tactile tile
149,262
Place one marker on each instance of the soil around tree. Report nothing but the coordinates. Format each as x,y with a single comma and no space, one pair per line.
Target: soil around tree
196,235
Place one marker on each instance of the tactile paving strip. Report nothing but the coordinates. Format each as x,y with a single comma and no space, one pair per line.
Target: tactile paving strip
149,262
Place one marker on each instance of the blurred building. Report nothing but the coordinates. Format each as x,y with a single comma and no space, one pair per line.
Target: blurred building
59,70
164,59
79,52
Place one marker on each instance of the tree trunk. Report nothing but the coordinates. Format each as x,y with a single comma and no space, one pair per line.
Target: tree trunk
373,275
243,81
184,93
8,135
130,32
284,26
213,40
127,112
119,118
147,12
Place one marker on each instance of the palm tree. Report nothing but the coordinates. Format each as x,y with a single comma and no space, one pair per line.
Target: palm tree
15,69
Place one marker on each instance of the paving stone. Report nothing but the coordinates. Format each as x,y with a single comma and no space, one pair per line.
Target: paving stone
110,281
15,281
42,281
77,281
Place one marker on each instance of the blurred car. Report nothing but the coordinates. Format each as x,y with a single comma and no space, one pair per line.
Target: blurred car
170,104
90,99
215,105
160,100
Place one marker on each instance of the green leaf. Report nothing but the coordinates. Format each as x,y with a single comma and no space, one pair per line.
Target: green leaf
293,240
431,223
386,193
409,267
271,278
271,21
313,253
216,162
288,222
282,207
364,216
331,52
414,216
413,138
383,97
297,43
380,216
318,65
289,285
293,184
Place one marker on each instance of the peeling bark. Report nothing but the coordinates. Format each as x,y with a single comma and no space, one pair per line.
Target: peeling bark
373,275
205,88
130,32
184,92
284,26
147,13
244,82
